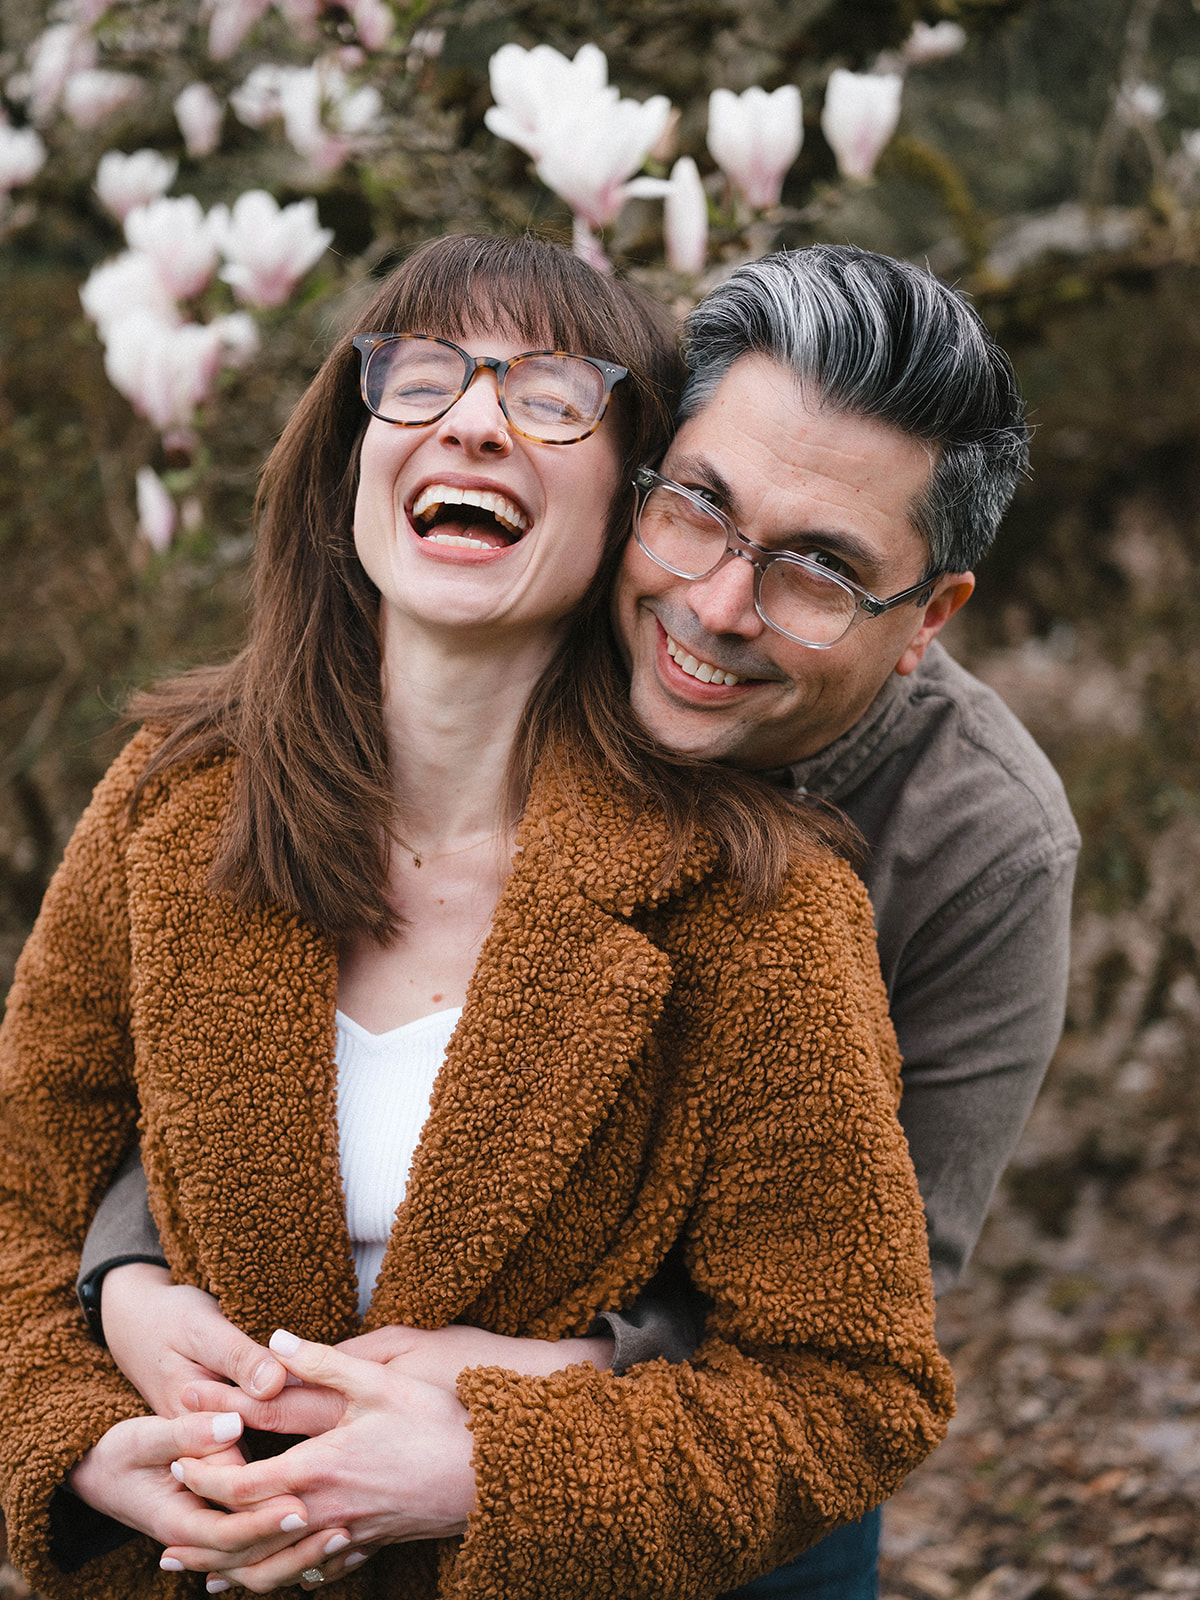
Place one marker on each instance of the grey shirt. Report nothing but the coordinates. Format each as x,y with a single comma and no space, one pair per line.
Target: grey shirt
971,857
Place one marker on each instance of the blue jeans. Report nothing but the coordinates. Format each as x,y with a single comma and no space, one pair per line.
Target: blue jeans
844,1566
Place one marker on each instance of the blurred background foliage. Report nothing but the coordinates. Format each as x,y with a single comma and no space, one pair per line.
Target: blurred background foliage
1016,174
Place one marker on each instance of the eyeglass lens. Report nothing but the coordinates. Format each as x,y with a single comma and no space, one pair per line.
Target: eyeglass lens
555,398
796,597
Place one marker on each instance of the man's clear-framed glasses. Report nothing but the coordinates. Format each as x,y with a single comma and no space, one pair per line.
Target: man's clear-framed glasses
795,595
550,396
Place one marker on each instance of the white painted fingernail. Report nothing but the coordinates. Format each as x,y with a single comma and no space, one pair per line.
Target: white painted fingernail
169,1564
177,1474
226,1425
283,1343
291,1522
217,1585
355,1559
338,1542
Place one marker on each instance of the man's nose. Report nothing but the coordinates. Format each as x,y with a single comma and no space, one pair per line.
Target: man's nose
724,602
476,422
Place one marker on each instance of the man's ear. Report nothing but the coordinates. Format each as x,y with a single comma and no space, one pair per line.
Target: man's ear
953,589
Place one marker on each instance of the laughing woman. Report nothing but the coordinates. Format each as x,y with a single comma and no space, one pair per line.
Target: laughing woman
439,994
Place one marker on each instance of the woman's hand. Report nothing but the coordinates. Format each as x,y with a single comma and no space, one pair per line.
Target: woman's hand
128,1475
395,1467
166,1338
435,1356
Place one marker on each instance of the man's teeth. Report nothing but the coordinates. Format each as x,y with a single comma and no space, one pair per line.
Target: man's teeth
430,501
697,669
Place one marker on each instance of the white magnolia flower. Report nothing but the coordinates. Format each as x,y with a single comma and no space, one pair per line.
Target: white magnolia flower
593,148
259,98
374,22
199,114
53,57
268,250
22,155
176,236
859,117
164,372
229,23
528,85
156,510
1141,102
754,138
933,42
238,333
129,284
91,96
685,219
302,14
123,182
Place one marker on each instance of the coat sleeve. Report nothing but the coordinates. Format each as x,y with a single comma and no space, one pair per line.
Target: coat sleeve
69,1113
818,1384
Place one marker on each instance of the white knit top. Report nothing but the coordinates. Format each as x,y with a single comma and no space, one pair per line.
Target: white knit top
384,1084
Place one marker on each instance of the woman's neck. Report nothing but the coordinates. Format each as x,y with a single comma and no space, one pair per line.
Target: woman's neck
452,710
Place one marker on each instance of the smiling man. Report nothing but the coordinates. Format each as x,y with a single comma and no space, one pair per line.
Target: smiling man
849,440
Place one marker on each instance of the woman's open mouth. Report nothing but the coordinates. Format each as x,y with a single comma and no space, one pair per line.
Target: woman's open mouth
471,519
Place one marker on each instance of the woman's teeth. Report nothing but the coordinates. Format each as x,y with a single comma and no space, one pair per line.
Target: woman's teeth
697,669
506,512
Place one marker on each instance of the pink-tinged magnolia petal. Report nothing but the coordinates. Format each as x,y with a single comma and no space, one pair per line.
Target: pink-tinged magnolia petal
374,22
123,182
176,236
259,98
530,86
156,510
89,12
588,247
128,284
53,57
268,250
685,219
199,114
593,147
164,372
94,95
302,14
860,115
22,155
933,42
239,337
754,138
229,23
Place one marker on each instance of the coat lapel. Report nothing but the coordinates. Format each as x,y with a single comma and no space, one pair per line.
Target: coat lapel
560,1011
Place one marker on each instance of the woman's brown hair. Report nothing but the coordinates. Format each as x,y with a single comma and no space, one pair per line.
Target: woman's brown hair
314,813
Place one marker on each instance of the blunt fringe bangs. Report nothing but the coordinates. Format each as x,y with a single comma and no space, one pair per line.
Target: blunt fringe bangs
313,816
885,340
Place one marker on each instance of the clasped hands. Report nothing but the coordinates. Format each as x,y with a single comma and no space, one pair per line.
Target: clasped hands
387,1457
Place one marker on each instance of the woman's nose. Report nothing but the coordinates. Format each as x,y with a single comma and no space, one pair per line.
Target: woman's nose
724,602
475,422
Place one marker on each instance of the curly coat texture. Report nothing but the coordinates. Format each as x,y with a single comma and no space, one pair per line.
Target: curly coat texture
633,1069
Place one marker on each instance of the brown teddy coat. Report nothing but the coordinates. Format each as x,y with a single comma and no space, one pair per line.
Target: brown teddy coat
631,1069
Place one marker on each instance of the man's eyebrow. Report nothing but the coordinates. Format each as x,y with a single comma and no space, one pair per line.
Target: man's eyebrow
856,551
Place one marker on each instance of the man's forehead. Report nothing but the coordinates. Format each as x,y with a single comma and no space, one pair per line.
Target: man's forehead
763,434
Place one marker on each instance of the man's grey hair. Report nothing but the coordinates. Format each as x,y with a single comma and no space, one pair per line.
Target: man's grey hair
878,338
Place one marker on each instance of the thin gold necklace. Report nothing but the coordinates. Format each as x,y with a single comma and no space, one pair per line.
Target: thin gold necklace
442,855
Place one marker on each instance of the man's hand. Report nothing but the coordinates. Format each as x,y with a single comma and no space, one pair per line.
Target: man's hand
166,1338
